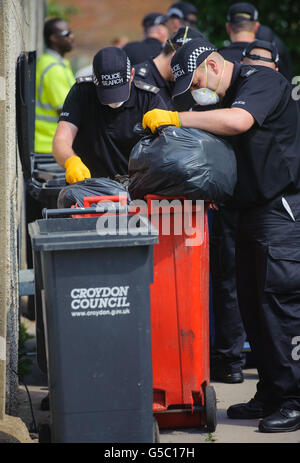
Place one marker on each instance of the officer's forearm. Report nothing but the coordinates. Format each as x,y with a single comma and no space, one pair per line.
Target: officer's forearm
63,141
232,121
62,151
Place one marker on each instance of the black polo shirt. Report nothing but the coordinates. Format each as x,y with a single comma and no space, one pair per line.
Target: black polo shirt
285,65
268,155
105,136
140,51
234,51
148,72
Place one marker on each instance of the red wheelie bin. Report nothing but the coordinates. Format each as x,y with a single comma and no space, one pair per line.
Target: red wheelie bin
182,394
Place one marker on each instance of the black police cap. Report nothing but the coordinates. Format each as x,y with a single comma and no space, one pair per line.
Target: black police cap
184,35
111,75
185,61
242,11
182,10
153,19
264,45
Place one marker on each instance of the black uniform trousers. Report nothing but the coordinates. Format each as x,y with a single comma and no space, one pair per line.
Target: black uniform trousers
268,287
229,332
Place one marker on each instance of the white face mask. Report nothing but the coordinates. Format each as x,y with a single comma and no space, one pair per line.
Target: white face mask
116,105
206,96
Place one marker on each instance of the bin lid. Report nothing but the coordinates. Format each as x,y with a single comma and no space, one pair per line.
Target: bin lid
90,233
25,109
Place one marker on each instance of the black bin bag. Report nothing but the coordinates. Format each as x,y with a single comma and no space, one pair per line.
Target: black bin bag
76,192
182,162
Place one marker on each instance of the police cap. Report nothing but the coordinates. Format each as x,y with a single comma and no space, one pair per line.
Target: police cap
111,75
185,61
266,46
153,19
184,35
181,10
242,11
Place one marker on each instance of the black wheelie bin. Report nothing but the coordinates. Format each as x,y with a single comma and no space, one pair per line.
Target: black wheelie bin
43,177
95,295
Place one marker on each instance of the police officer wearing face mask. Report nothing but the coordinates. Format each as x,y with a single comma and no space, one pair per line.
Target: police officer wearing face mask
227,356
95,133
260,118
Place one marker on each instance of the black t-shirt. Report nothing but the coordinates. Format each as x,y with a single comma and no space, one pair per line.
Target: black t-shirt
285,62
105,136
268,155
148,72
234,51
138,52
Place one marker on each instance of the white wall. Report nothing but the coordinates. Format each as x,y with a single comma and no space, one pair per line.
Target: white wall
21,25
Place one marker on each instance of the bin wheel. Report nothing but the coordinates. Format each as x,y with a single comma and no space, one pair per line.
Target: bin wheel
156,439
210,407
44,434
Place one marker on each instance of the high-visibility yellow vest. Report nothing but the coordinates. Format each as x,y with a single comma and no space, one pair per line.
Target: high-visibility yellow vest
54,78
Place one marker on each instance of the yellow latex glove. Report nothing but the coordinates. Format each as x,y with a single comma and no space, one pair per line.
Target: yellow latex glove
76,171
157,117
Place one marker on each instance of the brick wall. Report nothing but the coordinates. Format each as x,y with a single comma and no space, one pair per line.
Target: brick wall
99,22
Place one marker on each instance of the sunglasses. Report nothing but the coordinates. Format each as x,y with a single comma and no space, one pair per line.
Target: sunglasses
65,33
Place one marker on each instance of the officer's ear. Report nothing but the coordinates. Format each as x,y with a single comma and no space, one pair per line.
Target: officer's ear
228,29
53,38
132,74
256,27
212,65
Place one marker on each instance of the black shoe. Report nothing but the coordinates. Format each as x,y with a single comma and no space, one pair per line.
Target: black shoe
227,376
283,420
45,404
248,411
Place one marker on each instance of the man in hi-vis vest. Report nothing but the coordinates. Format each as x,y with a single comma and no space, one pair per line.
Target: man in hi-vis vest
54,78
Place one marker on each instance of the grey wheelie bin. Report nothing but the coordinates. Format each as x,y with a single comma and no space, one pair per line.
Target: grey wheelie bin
95,296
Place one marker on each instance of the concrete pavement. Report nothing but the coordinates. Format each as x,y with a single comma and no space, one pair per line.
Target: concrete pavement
227,431
231,431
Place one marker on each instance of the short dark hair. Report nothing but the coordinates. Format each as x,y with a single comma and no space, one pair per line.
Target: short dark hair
242,26
170,47
50,28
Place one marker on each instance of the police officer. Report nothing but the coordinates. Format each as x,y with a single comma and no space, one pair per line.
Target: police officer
262,120
286,66
95,133
181,14
227,354
54,78
243,26
156,35
157,71
261,53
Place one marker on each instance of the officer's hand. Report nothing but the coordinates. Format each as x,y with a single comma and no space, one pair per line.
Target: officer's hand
157,117
76,171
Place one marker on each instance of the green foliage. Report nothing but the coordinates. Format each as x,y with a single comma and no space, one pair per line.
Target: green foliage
54,10
210,438
24,364
283,17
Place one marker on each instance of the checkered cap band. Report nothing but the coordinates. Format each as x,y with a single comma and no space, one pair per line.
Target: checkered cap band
192,61
128,69
95,80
